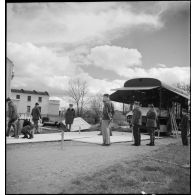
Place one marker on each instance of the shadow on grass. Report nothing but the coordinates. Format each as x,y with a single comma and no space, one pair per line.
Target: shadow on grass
140,175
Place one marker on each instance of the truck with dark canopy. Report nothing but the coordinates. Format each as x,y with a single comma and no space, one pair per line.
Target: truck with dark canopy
167,100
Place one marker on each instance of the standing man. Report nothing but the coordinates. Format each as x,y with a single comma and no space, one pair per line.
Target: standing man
69,116
112,115
184,127
13,116
136,122
106,119
36,115
151,123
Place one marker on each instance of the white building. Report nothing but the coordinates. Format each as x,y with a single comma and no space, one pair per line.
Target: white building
25,101
9,76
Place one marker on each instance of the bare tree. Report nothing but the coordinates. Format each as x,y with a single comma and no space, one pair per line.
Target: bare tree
77,91
184,86
96,105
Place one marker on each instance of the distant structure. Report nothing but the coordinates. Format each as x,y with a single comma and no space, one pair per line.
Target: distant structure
9,76
25,101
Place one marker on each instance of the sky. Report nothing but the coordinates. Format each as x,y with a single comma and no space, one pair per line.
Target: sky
103,43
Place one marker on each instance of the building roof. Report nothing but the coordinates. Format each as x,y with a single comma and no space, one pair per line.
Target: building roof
34,92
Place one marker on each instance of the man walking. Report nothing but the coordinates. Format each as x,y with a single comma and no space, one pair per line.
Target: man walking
136,123
69,117
184,127
13,116
151,123
36,115
106,119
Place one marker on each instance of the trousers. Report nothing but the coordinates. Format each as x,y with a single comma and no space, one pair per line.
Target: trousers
136,134
13,123
68,126
151,131
36,128
184,136
105,131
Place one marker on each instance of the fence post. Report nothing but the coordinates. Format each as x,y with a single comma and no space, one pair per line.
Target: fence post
62,139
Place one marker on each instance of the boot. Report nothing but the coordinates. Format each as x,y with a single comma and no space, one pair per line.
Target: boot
25,136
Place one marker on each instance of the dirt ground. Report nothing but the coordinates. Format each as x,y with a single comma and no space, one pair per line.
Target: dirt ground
45,168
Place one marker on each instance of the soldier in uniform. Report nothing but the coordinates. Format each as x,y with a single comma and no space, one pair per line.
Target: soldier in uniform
136,123
112,114
13,116
69,116
36,115
27,129
151,123
184,127
106,119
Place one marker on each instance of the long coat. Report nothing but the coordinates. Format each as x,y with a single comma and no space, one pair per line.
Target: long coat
151,118
184,122
12,111
69,116
137,117
36,113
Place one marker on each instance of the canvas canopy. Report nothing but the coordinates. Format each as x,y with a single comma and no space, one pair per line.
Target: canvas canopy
149,90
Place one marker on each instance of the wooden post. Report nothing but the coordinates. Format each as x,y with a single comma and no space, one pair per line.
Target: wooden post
160,106
160,99
62,139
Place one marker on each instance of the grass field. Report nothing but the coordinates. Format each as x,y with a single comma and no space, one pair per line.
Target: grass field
145,174
91,168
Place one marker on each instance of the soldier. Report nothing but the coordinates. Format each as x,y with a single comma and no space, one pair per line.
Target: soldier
106,119
184,127
136,123
36,115
151,123
69,116
13,116
27,129
112,114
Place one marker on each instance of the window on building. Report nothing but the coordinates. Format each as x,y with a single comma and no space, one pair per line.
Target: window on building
29,98
17,96
28,108
40,99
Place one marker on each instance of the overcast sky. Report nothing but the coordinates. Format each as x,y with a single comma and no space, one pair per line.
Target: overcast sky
104,43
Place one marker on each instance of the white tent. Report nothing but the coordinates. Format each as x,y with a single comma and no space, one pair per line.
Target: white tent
79,123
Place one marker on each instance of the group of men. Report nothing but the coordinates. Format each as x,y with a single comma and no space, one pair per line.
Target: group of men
136,123
28,128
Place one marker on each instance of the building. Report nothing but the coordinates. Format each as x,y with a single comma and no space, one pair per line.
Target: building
25,100
9,76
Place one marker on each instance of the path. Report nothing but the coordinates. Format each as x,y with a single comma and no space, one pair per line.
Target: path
89,136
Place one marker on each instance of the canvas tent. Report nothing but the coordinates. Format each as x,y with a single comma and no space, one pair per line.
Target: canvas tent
79,123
